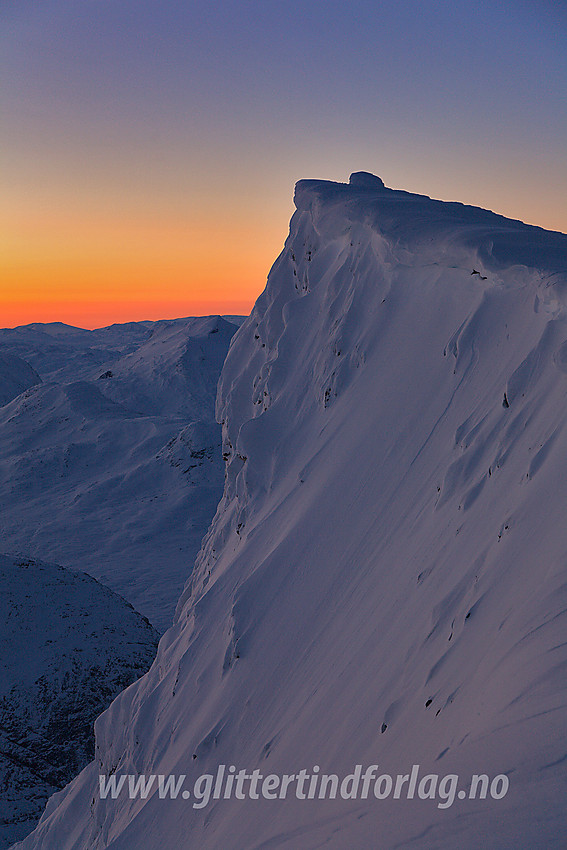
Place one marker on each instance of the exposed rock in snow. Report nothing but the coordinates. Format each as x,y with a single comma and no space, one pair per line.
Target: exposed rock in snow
384,580
364,180
120,476
69,645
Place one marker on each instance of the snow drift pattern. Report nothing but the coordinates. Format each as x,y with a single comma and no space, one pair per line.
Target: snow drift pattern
384,580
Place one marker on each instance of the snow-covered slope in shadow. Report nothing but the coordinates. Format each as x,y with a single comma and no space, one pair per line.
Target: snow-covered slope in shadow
16,375
117,470
69,645
385,578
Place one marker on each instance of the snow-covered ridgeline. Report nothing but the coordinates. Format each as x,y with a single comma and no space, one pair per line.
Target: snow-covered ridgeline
384,580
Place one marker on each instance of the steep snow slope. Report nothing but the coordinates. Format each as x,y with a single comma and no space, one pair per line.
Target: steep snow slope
16,375
69,645
385,578
117,471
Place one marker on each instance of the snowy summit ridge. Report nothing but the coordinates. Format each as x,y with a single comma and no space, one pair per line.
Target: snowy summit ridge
414,218
384,580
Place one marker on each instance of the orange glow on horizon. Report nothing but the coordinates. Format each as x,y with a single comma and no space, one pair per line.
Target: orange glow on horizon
114,260
99,272
90,316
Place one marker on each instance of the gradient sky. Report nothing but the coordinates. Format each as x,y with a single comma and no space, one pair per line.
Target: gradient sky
150,147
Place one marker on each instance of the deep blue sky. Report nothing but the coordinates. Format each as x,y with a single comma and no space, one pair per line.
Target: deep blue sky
150,148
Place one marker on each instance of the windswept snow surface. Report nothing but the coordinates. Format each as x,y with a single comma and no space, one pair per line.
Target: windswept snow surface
385,578
113,463
69,645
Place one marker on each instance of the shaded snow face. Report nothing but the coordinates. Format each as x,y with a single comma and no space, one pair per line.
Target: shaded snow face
383,582
69,645
16,375
113,464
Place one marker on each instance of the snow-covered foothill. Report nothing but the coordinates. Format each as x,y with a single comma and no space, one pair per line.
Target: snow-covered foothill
69,645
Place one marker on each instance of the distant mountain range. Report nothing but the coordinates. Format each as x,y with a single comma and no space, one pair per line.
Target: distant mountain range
110,457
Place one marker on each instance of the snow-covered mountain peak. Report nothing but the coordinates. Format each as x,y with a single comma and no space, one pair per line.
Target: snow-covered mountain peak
53,328
173,372
384,580
451,229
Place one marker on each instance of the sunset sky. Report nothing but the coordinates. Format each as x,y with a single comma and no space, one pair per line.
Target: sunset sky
150,147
